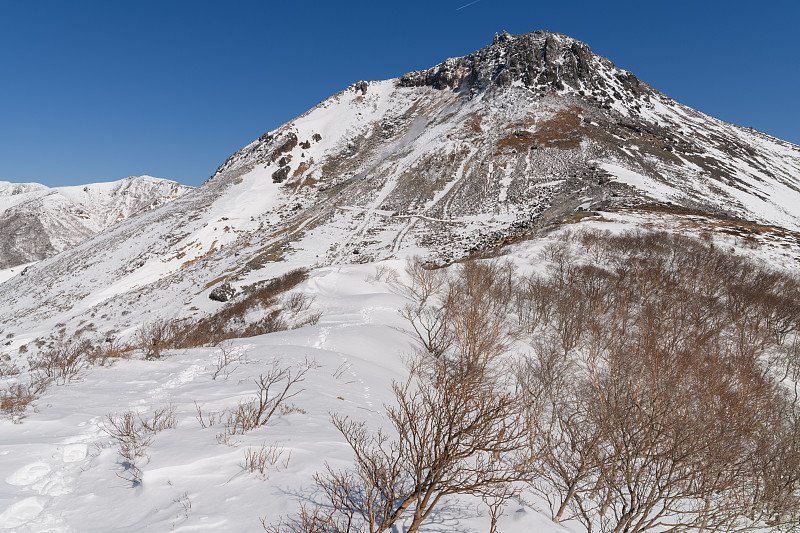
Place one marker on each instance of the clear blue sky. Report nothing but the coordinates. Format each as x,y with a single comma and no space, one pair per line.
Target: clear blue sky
100,90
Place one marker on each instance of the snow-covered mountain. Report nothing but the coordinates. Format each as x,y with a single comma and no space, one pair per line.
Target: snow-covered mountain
522,133
500,148
37,221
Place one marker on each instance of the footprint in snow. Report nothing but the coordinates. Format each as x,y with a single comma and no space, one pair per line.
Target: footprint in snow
74,453
367,396
29,474
323,336
21,513
184,377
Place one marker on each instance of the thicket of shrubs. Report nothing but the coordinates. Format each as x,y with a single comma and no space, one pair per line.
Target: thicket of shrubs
267,314
259,310
657,391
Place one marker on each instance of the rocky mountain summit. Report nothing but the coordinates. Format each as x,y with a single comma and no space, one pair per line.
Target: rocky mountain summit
530,131
540,61
38,222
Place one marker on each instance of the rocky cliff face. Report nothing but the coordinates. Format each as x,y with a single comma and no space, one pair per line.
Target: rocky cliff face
38,222
524,133
540,61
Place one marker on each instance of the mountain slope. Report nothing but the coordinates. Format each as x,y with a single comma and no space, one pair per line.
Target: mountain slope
38,222
520,134
506,147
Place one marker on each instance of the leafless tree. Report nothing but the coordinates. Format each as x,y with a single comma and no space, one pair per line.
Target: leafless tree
424,280
133,434
273,390
457,431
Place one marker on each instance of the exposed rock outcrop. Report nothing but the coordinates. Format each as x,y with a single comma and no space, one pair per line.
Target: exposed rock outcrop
222,293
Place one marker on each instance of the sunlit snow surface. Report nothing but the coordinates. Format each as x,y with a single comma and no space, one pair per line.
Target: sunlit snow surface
58,468
9,273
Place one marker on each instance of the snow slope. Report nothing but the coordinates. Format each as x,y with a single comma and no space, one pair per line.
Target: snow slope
468,153
58,468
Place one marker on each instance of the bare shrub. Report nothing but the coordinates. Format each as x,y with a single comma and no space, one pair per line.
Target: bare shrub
155,337
273,390
133,434
313,519
677,438
309,320
291,408
162,418
265,458
558,252
132,441
564,445
208,419
8,369
455,430
272,322
16,398
471,316
297,302
430,325
227,361
185,502
256,412
63,362
384,272
111,348
424,280
477,304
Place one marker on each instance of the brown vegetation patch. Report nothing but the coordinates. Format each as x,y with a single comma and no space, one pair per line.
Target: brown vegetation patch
563,131
730,225
301,168
228,322
475,123
301,183
199,257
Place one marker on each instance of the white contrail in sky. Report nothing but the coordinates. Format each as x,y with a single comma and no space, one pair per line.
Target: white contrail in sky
467,5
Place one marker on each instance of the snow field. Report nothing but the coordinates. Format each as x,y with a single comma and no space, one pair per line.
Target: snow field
59,468
60,471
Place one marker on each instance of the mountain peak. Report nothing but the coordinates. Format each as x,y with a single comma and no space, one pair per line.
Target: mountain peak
540,61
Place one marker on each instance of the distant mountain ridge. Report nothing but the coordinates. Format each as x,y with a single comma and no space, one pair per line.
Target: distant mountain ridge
37,221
